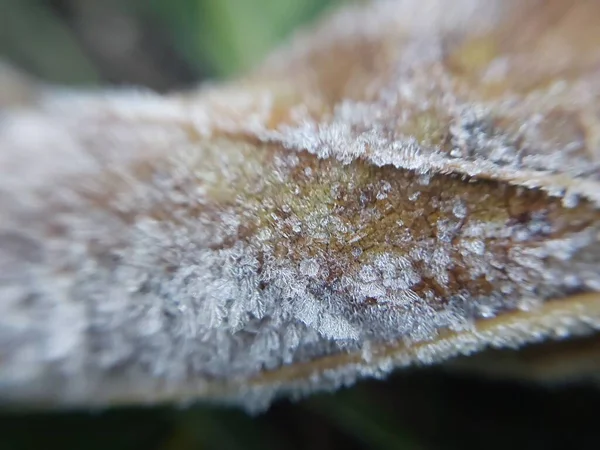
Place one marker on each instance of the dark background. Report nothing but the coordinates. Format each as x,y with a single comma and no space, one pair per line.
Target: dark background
416,409
174,44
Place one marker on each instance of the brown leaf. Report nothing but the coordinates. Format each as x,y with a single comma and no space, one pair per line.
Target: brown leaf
403,184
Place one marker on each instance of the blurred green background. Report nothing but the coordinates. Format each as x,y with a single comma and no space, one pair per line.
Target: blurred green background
171,44
157,43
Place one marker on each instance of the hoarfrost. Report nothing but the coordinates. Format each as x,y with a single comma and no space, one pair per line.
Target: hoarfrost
138,243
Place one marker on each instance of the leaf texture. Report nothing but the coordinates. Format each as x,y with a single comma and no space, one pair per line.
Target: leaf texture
402,184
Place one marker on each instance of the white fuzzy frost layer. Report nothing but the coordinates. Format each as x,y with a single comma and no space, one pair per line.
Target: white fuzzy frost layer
134,278
94,294
543,145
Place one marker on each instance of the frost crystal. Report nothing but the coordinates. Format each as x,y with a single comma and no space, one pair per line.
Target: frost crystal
309,267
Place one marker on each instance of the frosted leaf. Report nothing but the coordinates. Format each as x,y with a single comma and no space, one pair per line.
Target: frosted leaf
331,216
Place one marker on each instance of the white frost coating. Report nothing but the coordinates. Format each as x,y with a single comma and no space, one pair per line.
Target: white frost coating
556,324
139,256
149,284
309,267
460,210
537,153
